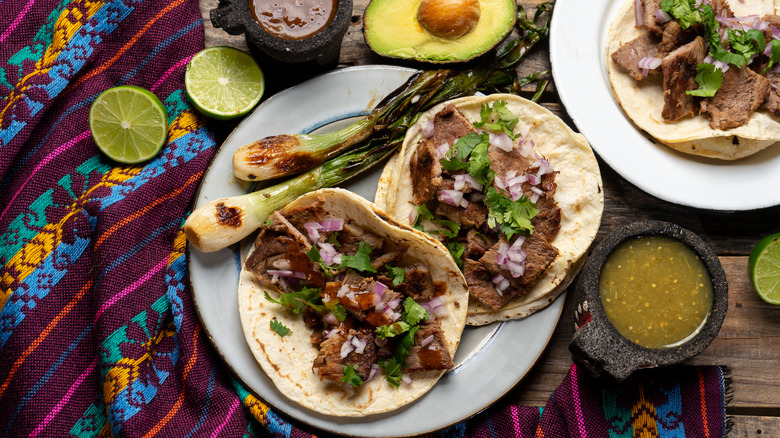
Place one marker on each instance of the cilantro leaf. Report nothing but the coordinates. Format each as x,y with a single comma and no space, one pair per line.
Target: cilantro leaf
279,328
314,256
451,228
479,164
505,122
333,239
394,366
456,250
684,11
361,261
774,55
297,302
351,376
397,273
392,330
413,312
512,217
709,79
466,144
340,312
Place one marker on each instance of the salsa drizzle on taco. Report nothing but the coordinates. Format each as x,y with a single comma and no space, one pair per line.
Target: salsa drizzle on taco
369,305
489,196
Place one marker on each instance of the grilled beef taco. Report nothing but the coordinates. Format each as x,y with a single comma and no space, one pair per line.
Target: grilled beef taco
654,68
510,190
348,312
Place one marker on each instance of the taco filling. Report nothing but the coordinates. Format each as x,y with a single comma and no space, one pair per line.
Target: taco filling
373,310
489,197
709,60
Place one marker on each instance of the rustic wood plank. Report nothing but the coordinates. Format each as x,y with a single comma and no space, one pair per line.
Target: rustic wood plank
755,427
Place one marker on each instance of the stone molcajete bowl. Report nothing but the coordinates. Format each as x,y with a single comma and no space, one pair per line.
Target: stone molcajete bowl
235,18
599,348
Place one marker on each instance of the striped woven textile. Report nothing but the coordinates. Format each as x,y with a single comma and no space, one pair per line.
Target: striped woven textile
98,332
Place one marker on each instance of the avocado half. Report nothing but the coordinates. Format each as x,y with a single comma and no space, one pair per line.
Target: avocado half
391,28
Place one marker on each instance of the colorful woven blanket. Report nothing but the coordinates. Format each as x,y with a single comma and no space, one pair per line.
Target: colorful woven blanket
98,332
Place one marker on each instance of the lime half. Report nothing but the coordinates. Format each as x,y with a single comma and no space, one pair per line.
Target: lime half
224,82
764,268
128,123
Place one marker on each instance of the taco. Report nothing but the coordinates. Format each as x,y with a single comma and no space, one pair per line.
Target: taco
669,76
348,312
511,191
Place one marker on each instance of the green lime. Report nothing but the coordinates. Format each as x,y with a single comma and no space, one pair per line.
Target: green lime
764,268
128,123
224,82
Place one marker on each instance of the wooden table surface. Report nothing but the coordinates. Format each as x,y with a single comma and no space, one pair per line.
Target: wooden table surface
749,340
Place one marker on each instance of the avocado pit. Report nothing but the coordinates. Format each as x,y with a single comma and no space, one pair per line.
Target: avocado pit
449,18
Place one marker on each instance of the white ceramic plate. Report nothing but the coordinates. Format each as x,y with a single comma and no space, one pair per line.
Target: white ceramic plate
490,359
578,41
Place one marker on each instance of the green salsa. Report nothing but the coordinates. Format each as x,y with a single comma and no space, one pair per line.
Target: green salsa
656,291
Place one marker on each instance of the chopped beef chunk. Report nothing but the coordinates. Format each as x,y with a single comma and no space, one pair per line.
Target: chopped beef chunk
449,125
741,93
280,224
503,161
473,216
772,19
434,355
679,69
311,213
548,221
351,235
538,256
425,170
721,7
772,101
329,363
274,251
356,294
675,36
651,23
629,54
477,243
481,287
388,258
417,283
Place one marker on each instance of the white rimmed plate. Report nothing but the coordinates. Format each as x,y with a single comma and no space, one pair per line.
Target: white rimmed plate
578,45
490,359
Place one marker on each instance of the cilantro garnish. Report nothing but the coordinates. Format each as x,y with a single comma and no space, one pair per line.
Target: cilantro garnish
506,119
268,222
361,261
298,301
351,376
279,328
774,56
333,239
397,273
709,79
456,250
470,154
340,312
685,11
413,312
450,229
392,330
512,217
314,256
394,366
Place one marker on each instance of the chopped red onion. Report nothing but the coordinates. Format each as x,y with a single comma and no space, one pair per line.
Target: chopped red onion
282,264
534,179
374,371
286,273
406,379
343,290
360,344
330,319
501,284
512,258
442,150
501,141
527,149
452,197
380,342
427,128
513,181
329,254
392,304
379,288
462,179
332,224
347,347
499,183
426,341
312,229
544,166
435,307
536,193
639,13
648,63
412,216
329,333
662,17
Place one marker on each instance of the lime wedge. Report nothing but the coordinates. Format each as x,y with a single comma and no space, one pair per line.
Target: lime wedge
764,268
224,82
128,123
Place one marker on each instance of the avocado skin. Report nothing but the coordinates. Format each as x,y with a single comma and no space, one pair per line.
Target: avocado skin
391,29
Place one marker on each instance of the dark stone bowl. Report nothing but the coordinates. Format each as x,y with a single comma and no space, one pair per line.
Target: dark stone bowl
235,18
599,348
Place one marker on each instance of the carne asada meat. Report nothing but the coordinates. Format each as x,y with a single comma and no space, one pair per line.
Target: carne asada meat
741,93
351,235
426,172
360,352
548,221
388,258
481,287
675,36
311,213
281,225
478,243
449,125
275,251
429,351
772,101
539,255
651,22
503,162
417,283
721,7
679,69
473,216
629,54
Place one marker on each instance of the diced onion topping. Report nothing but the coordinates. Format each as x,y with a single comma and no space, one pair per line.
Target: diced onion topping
427,341
379,288
360,344
282,264
501,141
648,63
453,197
329,254
330,319
662,17
427,128
286,273
435,306
442,150
374,371
406,379
462,179
639,13
347,347
501,284
512,258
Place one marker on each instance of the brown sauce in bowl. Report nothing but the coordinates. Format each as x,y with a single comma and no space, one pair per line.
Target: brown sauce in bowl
293,19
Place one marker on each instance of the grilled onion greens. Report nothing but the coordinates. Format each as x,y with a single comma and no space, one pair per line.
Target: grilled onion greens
223,222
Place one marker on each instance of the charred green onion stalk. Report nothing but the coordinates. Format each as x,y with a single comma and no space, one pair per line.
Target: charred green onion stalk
221,223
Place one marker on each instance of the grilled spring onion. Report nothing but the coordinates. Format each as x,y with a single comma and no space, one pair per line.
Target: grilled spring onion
223,222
